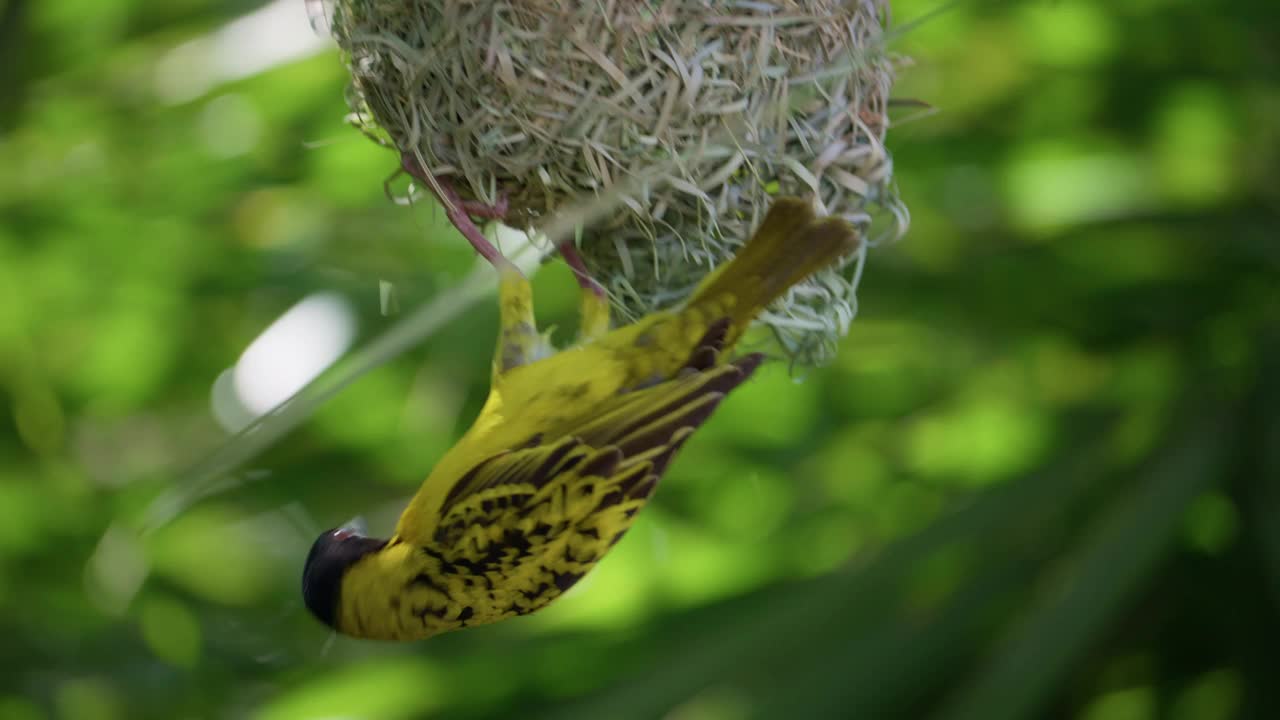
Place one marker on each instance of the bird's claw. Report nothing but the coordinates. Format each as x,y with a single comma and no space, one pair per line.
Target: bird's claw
496,211
569,252
459,211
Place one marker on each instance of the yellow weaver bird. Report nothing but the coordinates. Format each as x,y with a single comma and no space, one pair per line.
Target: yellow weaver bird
568,447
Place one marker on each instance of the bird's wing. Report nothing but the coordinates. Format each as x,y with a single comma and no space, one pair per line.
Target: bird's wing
583,476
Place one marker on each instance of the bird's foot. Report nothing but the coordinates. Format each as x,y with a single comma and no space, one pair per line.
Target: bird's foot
571,258
496,211
459,211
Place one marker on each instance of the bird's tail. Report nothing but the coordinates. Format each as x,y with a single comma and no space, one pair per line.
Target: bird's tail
791,244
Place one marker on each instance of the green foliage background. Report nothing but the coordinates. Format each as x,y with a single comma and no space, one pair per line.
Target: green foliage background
1042,479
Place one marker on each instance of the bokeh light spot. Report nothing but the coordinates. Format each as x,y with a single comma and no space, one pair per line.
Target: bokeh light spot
171,630
1068,34
293,350
1194,142
1130,704
1214,695
390,688
1211,523
1050,185
230,125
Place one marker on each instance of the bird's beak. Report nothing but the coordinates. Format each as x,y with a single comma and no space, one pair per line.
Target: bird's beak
357,526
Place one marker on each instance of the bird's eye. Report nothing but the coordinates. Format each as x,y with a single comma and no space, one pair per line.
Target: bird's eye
343,534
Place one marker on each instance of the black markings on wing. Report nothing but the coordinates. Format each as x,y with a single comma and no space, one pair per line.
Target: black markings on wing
651,417
516,507
651,425
522,471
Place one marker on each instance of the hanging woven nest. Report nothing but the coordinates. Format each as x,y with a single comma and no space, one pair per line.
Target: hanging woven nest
719,104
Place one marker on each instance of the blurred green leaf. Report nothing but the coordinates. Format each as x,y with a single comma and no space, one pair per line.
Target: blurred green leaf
171,630
1118,551
1212,696
1135,704
390,689
203,552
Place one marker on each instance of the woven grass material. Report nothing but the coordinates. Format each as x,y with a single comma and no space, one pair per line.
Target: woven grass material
713,101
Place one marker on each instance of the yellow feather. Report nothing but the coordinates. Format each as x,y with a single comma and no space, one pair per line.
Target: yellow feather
568,447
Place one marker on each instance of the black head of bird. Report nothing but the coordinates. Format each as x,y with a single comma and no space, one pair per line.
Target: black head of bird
331,554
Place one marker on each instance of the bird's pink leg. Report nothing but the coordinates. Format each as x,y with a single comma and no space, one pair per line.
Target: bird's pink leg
579,268
461,211
458,211
496,211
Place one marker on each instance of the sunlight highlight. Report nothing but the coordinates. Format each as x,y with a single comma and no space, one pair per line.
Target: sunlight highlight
275,34
293,351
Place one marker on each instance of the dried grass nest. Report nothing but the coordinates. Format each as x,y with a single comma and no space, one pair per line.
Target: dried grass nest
719,105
